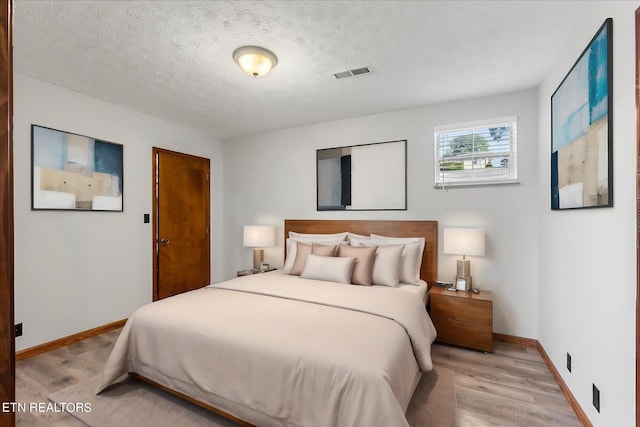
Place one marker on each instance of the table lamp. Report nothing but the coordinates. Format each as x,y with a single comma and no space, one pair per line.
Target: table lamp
464,241
259,237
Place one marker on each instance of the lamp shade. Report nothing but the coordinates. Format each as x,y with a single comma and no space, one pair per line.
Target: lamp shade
464,241
259,236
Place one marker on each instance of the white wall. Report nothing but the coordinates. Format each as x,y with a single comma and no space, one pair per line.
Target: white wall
78,270
587,297
271,176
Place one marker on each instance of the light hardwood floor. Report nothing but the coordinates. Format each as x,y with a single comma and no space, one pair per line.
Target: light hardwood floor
509,387
46,373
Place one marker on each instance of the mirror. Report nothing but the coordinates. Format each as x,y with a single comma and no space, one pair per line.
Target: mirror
362,177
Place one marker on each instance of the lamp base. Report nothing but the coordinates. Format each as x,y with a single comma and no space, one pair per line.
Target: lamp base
258,257
464,272
463,268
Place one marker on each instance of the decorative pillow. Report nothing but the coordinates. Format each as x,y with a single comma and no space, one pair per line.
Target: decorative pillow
410,262
411,255
331,269
292,247
324,250
363,269
386,267
302,250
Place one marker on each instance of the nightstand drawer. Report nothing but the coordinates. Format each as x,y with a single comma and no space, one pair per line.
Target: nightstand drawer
464,310
463,318
465,334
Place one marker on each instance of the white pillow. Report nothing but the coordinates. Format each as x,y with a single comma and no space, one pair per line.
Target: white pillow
331,269
342,236
292,244
410,261
386,266
400,240
411,255
358,240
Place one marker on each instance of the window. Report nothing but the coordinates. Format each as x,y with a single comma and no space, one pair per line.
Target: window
476,153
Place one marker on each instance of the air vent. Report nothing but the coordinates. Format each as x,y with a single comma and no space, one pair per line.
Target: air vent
350,73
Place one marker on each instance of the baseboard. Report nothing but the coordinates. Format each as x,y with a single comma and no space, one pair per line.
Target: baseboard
582,417
61,342
531,343
511,339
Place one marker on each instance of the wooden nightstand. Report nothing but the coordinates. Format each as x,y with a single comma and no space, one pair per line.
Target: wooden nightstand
253,271
463,318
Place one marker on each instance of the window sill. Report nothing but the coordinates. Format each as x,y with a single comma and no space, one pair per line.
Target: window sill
446,186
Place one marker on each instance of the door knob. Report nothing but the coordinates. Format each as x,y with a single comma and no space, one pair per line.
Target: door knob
164,241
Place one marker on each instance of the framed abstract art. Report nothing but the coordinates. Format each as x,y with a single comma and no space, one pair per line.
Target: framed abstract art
581,129
74,172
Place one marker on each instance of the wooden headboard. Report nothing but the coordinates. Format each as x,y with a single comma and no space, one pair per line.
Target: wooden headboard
426,229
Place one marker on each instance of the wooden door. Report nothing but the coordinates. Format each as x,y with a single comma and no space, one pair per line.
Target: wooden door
7,339
181,223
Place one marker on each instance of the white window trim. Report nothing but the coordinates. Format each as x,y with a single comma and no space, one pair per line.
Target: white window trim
475,182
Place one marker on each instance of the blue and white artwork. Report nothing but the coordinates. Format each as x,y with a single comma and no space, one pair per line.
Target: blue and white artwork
581,139
74,172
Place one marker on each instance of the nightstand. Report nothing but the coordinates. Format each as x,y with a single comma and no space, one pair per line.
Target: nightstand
463,318
253,271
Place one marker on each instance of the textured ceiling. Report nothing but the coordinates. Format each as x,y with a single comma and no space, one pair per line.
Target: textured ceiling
172,59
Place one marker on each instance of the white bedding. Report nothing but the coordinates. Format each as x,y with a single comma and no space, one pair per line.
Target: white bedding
277,350
420,289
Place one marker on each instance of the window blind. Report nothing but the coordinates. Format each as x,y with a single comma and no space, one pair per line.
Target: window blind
483,152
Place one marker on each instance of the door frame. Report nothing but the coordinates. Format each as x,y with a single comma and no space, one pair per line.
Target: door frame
7,331
155,238
637,20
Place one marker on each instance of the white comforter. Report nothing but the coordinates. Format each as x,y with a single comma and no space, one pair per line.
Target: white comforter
277,350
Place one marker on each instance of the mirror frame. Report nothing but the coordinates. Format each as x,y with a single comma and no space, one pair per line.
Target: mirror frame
343,207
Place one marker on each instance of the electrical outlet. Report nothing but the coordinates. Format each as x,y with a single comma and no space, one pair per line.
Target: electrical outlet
596,398
568,362
19,330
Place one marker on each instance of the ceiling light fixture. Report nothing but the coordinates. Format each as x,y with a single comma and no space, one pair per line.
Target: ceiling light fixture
254,60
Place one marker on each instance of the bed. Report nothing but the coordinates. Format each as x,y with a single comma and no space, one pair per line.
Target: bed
277,349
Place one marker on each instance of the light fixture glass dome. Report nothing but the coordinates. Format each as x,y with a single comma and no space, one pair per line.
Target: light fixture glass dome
254,60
